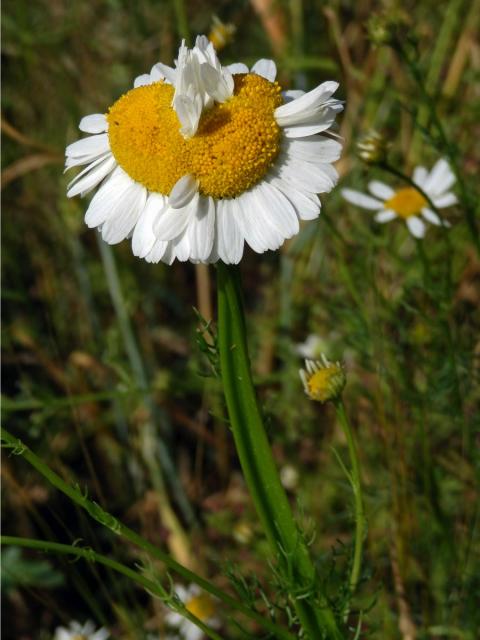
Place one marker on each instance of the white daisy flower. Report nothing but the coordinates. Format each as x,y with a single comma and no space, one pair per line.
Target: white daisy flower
407,202
77,631
200,604
197,159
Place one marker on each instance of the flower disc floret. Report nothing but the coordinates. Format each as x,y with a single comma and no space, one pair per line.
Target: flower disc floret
236,142
406,202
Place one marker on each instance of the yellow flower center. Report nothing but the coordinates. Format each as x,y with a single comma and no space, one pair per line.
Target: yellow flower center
406,202
235,144
325,383
202,606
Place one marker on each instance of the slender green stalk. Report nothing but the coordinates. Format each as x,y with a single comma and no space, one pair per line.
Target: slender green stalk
92,556
182,20
152,445
355,480
109,521
258,465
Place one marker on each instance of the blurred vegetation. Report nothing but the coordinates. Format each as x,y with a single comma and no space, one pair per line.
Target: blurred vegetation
105,373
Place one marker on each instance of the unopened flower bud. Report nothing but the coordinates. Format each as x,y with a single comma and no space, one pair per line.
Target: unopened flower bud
373,148
323,380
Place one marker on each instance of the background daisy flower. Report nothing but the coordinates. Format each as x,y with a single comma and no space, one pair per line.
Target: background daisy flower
408,203
77,631
200,604
197,159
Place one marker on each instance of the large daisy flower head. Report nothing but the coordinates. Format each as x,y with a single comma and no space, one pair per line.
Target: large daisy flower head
408,203
200,604
197,159
77,631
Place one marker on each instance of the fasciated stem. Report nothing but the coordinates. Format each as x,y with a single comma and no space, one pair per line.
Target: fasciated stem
256,459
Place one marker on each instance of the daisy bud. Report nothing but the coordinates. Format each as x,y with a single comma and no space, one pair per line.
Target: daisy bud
372,148
323,380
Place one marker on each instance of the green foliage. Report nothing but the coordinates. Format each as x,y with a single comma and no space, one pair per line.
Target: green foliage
20,571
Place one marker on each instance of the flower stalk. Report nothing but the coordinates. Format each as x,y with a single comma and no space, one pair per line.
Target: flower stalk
271,503
355,481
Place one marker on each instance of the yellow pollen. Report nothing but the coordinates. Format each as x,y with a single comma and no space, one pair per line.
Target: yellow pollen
322,383
202,606
406,202
235,144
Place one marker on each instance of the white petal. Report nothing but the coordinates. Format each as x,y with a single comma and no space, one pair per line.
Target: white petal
314,149
420,176
119,225
309,108
237,67
143,237
440,179
432,217
218,82
93,178
104,202
181,246
314,178
157,252
167,72
183,192
380,190
95,123
416,226
201,230
385,216
445,200
255,224
172,222
188,110
292,94
76,162
89,167
265,68
361,200
307,205
281,213
142,81
88,146
156,73
228,237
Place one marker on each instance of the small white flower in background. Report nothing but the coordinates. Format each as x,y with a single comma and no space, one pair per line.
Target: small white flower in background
312,348
196,160
77,631
289,477
408,203
200,604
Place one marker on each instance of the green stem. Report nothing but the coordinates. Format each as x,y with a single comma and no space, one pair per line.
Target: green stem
92,556
107,520
182,21
258,465
355,480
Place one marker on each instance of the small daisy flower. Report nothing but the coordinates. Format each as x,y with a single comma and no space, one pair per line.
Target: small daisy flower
196,160
200,604
408,203
323,380
76,631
